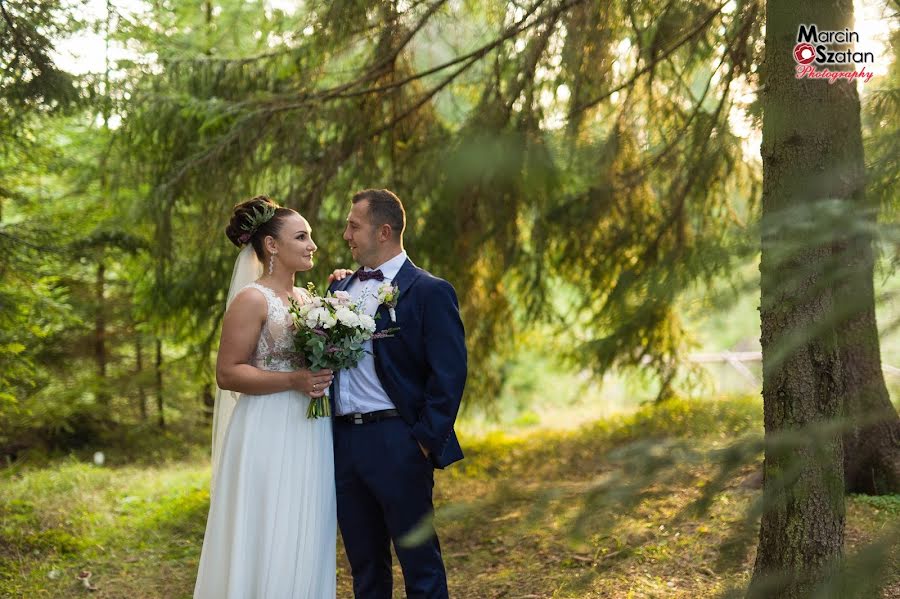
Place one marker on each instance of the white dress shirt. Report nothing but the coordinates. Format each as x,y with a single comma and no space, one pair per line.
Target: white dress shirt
359,389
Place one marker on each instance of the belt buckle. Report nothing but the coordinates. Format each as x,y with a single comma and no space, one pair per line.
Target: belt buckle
357,418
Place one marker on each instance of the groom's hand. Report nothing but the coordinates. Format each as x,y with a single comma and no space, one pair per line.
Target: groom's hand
339,274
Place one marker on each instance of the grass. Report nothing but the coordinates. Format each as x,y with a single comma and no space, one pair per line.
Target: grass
624,507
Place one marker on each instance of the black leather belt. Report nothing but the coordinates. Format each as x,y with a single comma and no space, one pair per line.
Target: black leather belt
368,417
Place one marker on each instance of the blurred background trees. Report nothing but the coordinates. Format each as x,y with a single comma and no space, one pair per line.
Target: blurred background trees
586,174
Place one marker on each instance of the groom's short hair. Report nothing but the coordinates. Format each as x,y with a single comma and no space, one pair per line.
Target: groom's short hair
385,208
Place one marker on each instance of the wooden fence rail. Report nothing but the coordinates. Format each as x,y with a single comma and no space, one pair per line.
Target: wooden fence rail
736,360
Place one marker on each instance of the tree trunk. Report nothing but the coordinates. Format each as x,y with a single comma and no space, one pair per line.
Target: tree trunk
139,367
813,173
100,334
208,14
209,402
161,418
872,445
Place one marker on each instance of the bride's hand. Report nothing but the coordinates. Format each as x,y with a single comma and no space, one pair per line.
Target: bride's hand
312,383
339,274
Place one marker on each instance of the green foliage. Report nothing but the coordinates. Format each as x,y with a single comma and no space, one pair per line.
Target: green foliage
889,504
880,115
570,166
30,82
333,347
515,201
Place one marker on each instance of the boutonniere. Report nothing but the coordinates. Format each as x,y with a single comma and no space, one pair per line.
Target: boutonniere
388,295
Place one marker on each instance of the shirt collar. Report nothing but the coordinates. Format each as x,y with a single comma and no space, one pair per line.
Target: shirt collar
390,268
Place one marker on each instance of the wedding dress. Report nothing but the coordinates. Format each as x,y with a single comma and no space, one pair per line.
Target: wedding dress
272,525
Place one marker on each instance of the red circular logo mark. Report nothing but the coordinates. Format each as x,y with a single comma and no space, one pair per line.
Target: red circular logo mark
804,53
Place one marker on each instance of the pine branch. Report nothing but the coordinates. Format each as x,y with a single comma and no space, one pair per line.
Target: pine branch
468,60
15,239
339,92
692,175
412,33
11,24
673,143
649,67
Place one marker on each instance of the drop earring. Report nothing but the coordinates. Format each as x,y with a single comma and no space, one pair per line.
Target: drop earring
272,264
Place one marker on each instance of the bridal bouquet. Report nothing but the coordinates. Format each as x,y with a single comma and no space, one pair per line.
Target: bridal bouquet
329,332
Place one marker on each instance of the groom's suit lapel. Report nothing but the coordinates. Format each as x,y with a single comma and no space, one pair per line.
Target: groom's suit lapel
405,277
407,274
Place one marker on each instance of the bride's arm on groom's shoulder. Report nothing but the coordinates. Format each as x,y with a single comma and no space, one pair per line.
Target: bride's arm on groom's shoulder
339,274
241,328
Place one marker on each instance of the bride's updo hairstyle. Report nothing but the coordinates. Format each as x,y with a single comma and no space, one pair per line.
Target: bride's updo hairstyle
255,219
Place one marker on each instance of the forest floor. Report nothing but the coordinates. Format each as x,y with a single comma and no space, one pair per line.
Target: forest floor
653,504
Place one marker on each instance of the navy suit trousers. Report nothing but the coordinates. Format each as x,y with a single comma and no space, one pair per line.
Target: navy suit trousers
384,490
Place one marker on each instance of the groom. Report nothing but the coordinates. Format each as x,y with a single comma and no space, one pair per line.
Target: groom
394,412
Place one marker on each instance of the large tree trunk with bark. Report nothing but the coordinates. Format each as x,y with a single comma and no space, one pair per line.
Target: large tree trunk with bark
813,176
872,445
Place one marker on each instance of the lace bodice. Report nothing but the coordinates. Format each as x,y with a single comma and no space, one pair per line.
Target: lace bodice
274,350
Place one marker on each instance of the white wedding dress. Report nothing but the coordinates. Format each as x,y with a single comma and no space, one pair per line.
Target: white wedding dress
272,526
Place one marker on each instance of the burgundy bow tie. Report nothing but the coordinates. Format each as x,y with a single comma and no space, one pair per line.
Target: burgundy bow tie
371,274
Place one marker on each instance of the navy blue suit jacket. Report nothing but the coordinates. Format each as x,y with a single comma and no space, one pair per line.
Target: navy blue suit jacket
422,368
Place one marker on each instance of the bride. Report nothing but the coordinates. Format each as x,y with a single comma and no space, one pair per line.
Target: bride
272,525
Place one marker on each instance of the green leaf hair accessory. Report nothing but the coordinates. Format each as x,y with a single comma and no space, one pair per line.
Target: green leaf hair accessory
258,218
